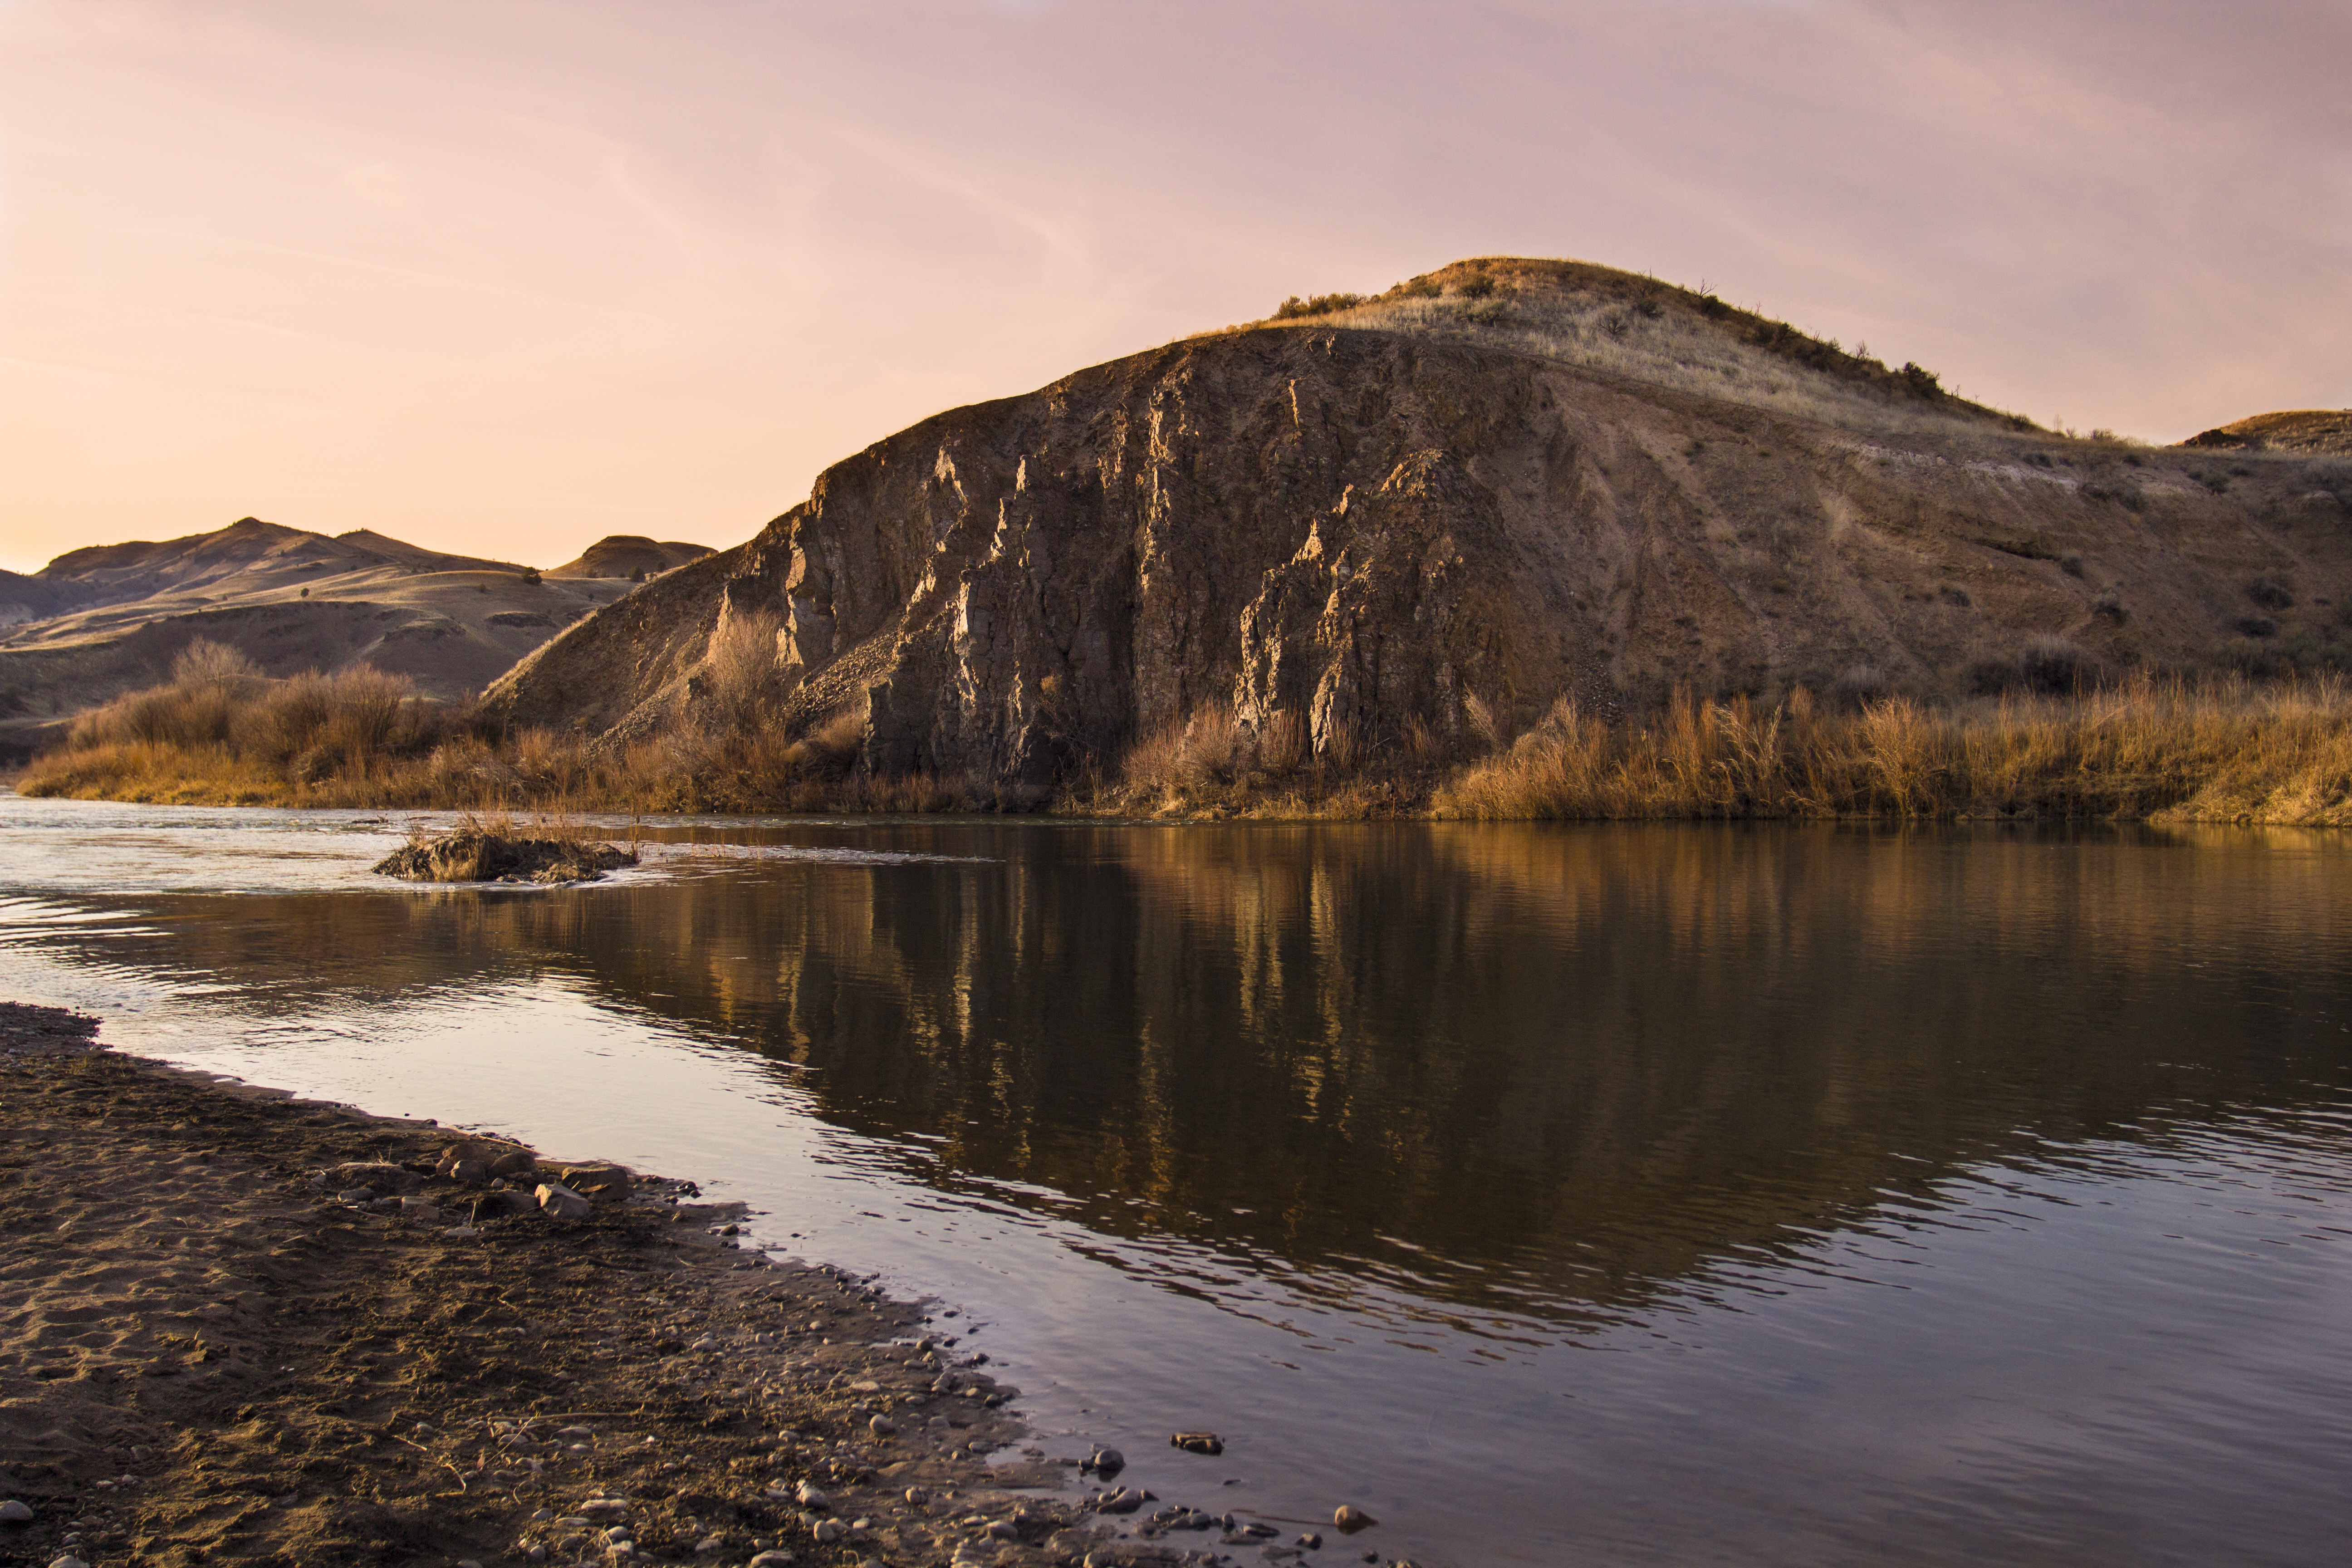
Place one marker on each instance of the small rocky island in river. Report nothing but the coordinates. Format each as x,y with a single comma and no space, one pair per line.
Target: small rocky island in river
477,854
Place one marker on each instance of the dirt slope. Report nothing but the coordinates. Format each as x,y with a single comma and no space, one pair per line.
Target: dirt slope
101,620
1503,482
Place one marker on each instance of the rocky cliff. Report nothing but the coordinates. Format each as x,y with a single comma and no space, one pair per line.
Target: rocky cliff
1390,521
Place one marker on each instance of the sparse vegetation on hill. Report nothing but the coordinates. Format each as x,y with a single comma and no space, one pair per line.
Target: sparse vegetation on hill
1600,319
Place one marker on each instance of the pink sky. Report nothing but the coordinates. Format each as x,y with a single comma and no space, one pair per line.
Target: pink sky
505,277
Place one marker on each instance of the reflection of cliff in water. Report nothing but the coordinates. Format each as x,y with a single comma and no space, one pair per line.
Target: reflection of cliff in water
1528,1066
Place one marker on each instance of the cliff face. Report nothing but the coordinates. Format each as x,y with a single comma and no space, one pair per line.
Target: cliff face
1387,525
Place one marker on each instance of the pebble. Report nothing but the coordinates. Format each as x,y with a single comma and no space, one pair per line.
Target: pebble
1197,1442
355,1195
461,1233
419,1209
710,1546
15,1513
1105,1461
1350,1517
828,1532
772,1560
1312,1542
811,1497
882,1427
68,1561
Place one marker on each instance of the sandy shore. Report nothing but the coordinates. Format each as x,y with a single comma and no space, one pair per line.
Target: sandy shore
211,1356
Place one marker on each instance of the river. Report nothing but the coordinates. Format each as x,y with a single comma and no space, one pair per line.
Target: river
1559,1194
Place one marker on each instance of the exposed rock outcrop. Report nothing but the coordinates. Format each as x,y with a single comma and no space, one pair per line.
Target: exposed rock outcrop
1447,507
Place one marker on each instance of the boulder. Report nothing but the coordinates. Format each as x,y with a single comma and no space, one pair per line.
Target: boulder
603,1184
558,1202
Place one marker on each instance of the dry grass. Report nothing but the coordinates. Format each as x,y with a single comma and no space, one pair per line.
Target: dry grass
1687,340
2161,749
2235,751
221,734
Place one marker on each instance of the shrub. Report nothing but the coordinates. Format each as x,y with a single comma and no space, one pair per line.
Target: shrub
1477,286
205,662
1320,305
2270,593
741,662
2053,666
1859,685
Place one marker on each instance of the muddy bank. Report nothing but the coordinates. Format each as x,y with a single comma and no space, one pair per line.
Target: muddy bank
213,1352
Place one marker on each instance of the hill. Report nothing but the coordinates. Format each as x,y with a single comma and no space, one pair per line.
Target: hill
100,621
1371,525
2315,432
631,555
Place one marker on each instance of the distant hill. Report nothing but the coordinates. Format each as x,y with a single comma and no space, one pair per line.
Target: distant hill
631,555
2317,431
1364,523
100,621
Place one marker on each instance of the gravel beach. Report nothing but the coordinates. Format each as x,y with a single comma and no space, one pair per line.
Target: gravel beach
245,1328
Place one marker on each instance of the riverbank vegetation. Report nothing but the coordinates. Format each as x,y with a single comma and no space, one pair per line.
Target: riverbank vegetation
2225,749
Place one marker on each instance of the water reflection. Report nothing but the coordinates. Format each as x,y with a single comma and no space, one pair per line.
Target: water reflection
1780,1195
1519,1072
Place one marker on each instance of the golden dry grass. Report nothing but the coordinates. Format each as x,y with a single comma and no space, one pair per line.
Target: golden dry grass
2157,749
2235,751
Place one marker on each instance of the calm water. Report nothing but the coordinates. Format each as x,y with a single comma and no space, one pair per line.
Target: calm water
1559,1196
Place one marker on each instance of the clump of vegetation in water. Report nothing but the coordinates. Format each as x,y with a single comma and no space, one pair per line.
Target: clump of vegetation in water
476,852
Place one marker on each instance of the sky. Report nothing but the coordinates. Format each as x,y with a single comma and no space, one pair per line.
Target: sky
505,276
